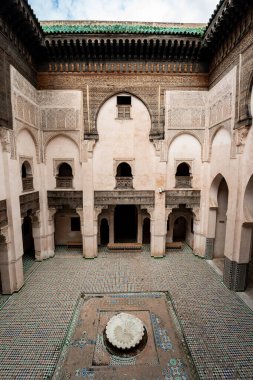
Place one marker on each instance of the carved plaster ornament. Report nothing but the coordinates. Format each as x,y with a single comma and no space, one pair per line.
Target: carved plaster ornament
124,331
242,134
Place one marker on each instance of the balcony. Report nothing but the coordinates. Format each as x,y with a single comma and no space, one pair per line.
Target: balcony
64,182
27,183
124,183
183,182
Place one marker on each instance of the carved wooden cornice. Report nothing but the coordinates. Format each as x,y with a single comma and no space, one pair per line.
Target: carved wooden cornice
20,17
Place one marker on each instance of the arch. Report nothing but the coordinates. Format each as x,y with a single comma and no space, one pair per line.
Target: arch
116,94
63,135
248,201
213,194
249,98
30,133
34,138
185,133
124,170
215,131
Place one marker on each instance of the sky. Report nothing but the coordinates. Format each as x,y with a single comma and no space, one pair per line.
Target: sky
197,11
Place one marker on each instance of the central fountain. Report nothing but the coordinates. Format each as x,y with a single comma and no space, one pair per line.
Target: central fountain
125,335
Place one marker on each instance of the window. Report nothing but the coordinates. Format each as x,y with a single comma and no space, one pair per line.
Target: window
27,177
183,177
124,106
64,177
124,178
75,224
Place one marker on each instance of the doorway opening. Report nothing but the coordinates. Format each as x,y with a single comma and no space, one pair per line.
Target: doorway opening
221,220
125,224
104,232
146,231
179,230
27,235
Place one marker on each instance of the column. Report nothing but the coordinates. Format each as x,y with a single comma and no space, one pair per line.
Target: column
80,213
90,219
12,264
139,224
51,230
111,224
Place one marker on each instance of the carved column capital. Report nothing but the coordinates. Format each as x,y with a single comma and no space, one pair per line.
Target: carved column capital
196,212
150,210
240,138
98,210
36,220
80,213
51,212
87,149
168,211
7,141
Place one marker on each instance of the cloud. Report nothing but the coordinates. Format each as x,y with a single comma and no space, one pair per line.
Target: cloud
125,10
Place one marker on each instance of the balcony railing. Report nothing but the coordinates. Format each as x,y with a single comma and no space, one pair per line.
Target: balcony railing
124,183
183,182
64,182
27,183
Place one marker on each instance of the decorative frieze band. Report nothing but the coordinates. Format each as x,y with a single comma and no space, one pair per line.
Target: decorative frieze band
125,197
191,198
126,68
65,199
29,202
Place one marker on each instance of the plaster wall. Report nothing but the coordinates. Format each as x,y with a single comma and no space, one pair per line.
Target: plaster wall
26,151
63,233
123,140
62,149
2,179
184,148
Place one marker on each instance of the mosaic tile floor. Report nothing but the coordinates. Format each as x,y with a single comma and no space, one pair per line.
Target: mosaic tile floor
163,356
34,323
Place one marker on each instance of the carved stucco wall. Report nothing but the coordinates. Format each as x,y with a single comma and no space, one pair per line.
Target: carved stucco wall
185,111
221,99
47,111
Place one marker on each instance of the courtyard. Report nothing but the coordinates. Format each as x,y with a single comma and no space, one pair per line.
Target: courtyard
37,323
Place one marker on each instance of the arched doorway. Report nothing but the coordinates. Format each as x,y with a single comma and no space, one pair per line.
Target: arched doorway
221,219
27,235
125,224
146,231
246,246
179,230
104,231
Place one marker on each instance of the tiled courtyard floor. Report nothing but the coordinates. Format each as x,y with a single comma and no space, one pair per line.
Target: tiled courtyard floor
217,325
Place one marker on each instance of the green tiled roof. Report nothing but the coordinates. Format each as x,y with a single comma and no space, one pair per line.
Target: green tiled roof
122,29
